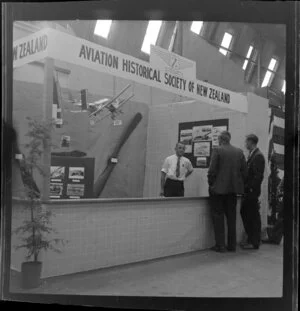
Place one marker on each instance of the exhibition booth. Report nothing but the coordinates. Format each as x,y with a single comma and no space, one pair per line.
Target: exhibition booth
116,119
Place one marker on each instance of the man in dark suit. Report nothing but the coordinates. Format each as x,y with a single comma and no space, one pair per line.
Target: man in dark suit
226,177
250,205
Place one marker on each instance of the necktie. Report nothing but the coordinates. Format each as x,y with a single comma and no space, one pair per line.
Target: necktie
178,168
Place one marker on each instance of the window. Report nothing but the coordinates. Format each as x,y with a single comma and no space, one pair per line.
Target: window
151,35
270,73
196,27
283,87
102,28
225,43
247,57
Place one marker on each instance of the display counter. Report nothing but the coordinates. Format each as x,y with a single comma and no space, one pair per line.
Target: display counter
104,233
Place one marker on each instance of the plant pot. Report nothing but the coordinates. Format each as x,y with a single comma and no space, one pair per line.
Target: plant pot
31,274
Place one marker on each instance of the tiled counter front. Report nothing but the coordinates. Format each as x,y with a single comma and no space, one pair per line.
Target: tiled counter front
103,233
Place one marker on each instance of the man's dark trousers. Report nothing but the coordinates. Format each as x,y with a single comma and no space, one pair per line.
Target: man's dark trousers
251,218
173,188
224,204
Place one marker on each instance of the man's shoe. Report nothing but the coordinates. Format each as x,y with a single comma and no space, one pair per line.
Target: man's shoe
250,246
268,241
219,249
244,243
231,249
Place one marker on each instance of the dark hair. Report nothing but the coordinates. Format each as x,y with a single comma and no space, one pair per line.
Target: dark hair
225,136
180,143
253,138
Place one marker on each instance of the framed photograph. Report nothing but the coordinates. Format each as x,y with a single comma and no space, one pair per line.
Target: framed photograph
75,190
56,189
202,149
76,173
57,172
203,132
186,136
201,162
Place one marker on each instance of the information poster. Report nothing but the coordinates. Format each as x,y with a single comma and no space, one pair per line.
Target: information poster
200,138
186,136
71,177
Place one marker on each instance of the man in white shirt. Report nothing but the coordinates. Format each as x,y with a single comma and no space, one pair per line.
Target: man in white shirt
175,170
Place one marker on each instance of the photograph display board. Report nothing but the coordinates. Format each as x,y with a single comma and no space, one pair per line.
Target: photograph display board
71,177
200,137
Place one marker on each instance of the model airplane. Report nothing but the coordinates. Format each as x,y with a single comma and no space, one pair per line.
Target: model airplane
112,105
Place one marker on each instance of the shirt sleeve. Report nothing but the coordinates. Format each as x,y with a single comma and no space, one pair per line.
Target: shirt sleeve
166,166
189,166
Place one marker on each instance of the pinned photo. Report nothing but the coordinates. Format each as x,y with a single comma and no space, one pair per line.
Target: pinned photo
201,161
186,137
75,190
56,189
57,172
202,149
203,132
76,172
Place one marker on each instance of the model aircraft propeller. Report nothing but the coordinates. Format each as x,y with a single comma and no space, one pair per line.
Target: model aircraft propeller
103,177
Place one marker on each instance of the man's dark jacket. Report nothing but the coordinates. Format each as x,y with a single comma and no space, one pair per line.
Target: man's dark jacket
256,168
227,171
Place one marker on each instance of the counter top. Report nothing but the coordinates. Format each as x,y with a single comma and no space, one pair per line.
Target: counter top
116,200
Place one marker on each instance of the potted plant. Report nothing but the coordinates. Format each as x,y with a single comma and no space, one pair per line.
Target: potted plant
36,231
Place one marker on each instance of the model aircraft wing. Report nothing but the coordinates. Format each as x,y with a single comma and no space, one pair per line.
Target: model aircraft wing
99,102
122,102
111,100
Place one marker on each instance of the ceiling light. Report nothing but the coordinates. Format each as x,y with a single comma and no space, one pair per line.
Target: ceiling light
226,43
102,28
245,64
272,64
196,27
249,51
283,87
151,35
267,79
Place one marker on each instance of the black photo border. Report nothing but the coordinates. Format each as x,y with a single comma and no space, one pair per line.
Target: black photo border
273,12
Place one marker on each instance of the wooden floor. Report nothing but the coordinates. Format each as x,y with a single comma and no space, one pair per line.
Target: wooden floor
251,273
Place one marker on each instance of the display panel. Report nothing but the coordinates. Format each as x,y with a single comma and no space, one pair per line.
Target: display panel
200,138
